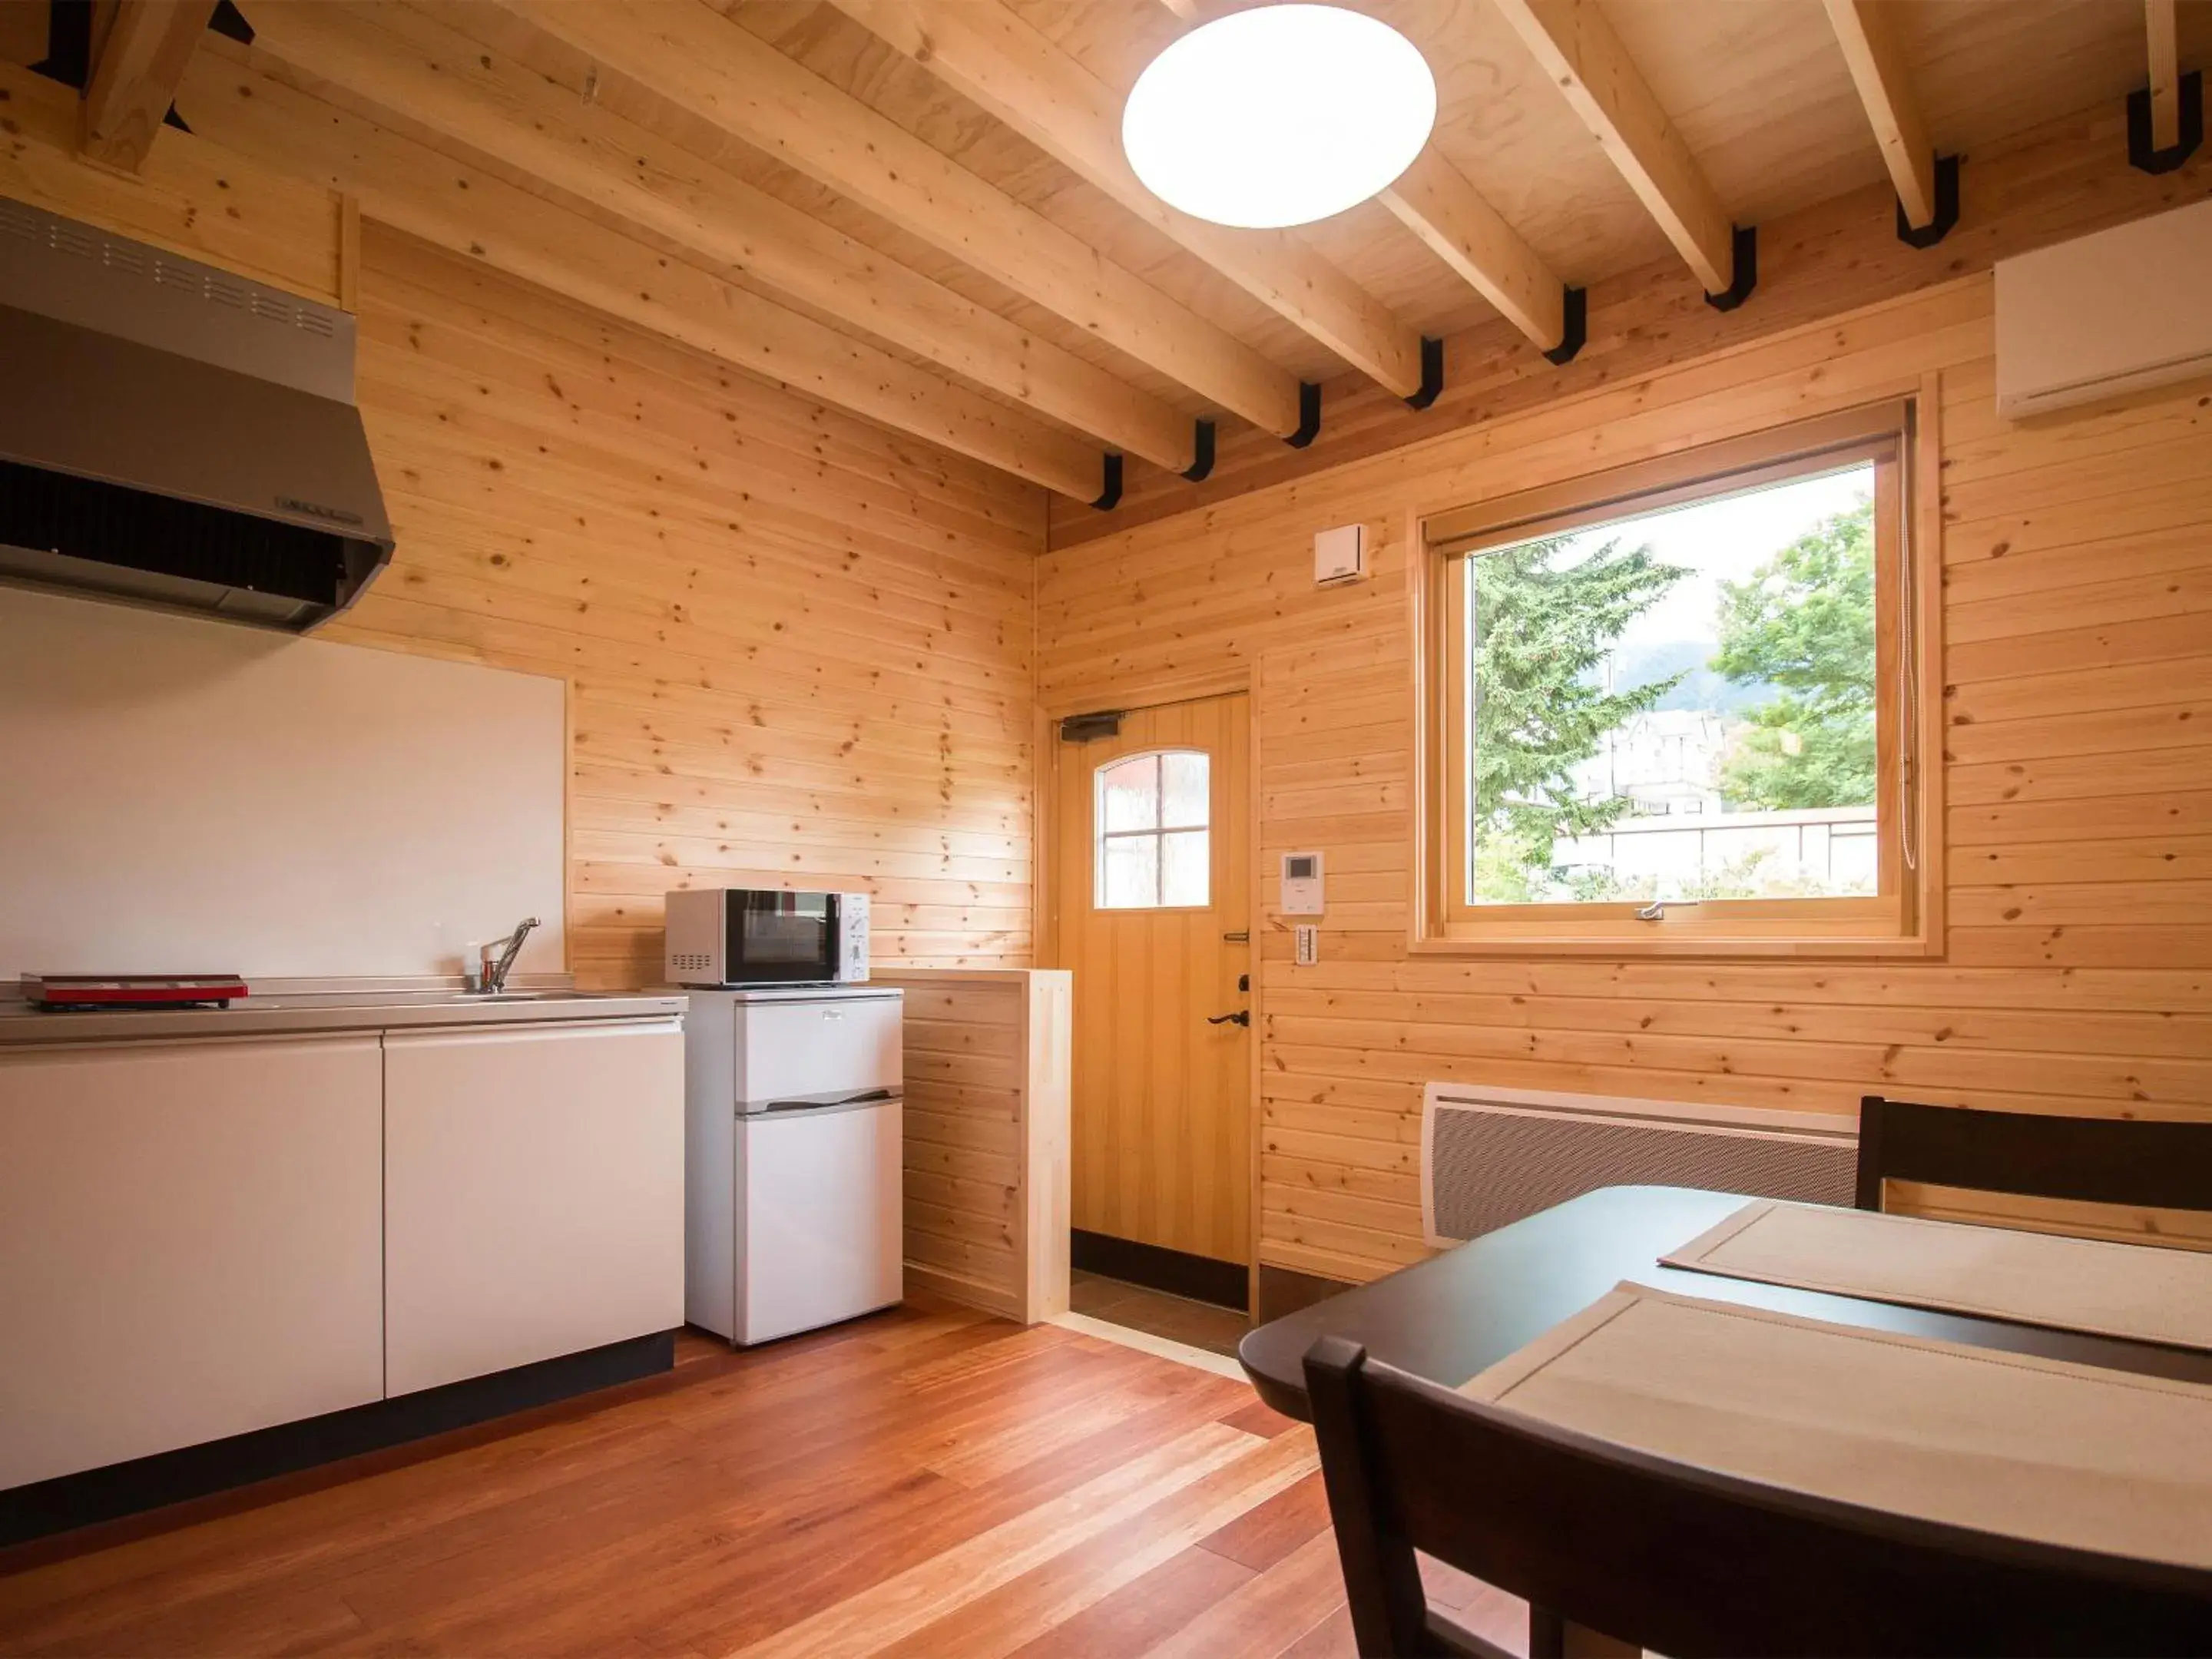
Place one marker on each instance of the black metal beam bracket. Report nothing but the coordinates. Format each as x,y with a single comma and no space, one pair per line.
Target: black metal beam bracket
1745,249
1575,318
1308,415
2140,153
1201,450
230,23
1947,208
1433,374
1110,497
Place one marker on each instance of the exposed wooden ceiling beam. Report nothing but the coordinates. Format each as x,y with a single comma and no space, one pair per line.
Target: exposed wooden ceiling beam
1862,30
142,50
472,213
1578,48
413,67
1001,64
2165,73
1433,199
715,68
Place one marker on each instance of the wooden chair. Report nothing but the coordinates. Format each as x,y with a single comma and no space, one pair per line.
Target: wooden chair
1681,1559
2103,1160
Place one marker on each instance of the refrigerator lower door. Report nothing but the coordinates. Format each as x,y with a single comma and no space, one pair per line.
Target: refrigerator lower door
821,1228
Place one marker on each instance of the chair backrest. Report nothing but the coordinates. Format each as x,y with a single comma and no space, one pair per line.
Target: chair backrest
2103,1160
1682,1560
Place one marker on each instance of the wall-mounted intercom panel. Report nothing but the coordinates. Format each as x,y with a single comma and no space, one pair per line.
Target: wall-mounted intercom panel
1302,884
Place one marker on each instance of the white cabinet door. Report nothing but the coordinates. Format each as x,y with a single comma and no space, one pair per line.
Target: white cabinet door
190,1244
533,1194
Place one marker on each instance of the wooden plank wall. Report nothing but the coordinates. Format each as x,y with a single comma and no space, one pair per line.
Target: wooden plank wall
987,1136
799,647
2077,563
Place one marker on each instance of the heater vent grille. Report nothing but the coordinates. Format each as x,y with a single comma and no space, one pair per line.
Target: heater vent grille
1491,1157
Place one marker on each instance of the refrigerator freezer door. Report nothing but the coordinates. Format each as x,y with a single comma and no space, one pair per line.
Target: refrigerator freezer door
845,1044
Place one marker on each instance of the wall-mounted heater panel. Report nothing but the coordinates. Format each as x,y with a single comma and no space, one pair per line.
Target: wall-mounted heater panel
1492,1156
2121,311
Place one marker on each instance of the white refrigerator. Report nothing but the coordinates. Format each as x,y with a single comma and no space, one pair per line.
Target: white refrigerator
793,1170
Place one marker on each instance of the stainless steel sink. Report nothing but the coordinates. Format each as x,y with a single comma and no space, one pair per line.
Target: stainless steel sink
524,996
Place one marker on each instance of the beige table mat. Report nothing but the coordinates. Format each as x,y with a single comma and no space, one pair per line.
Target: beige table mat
2001,1442
2141,1291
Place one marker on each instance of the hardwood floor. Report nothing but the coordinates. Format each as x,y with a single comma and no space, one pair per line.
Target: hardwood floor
930,1481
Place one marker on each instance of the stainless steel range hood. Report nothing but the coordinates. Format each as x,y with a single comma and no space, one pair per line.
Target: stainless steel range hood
173,436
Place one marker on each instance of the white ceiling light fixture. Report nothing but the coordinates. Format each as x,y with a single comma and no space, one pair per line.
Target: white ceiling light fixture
1279,116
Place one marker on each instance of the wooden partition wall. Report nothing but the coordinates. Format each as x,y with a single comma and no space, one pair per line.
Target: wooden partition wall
2076,777
987,1136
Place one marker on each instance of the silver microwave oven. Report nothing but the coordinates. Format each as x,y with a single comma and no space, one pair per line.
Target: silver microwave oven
763,936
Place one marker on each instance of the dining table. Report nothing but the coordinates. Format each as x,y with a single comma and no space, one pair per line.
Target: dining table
1454,1315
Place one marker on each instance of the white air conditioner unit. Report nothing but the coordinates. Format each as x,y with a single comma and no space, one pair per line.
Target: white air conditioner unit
2120,311
1492,1156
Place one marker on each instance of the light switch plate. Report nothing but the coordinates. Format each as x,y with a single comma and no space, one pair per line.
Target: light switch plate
1308,936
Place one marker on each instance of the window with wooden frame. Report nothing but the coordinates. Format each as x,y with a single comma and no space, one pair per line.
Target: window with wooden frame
1679,706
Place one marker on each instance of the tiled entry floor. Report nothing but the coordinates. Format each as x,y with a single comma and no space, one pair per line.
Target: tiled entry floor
1200,1324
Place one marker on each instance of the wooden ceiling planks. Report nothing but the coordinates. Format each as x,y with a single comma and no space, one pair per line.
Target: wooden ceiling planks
853,60
479,215
416,68
998,61
724,75
1761,95
1869,45
1582,53
575,73
1986,72
1433,199
1759,99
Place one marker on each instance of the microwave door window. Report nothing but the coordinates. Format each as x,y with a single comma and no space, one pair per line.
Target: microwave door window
784,936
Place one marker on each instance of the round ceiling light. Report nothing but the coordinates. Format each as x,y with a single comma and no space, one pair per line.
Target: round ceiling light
1279,116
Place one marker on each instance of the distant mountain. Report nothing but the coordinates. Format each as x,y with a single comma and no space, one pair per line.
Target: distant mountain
1700,688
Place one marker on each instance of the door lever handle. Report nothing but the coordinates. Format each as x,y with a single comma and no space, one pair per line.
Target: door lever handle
1242,1017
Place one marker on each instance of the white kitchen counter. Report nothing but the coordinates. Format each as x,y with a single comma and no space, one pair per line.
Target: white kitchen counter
219,1226
297,1013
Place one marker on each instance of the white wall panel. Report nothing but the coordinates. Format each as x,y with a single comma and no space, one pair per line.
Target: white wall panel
183,795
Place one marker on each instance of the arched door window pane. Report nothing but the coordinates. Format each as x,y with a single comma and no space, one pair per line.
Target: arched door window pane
1154,842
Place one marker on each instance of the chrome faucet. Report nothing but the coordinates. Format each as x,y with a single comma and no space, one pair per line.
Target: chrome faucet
495,969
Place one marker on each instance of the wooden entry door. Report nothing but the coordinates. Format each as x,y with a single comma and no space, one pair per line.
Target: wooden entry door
1151,896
